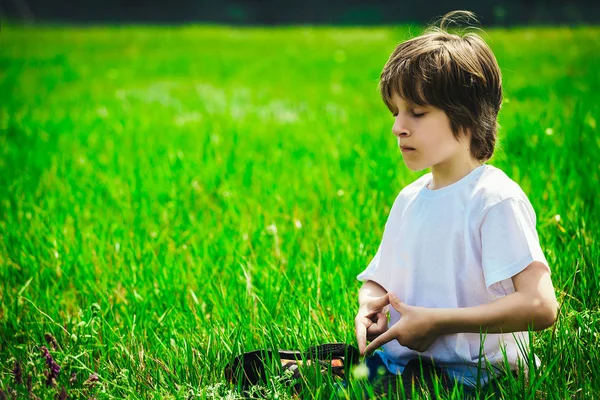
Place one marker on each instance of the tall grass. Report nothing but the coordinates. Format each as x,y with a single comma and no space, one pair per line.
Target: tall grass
173,196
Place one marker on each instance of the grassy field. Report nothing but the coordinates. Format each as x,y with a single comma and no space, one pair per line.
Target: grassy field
173,196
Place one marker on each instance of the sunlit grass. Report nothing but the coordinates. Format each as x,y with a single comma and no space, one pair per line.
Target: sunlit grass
172,197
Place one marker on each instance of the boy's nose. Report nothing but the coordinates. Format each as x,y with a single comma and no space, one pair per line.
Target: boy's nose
399,129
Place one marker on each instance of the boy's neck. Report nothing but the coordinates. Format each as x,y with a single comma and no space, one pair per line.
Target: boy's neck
447,173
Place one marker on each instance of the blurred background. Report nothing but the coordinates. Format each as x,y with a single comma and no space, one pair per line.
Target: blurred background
273,12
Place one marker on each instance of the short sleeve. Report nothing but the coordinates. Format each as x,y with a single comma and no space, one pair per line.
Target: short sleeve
379,269
509,243
372,272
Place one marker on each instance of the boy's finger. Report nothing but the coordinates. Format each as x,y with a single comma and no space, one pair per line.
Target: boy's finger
361,336
377,328
381,321
378,325
397,304
381,302
378,342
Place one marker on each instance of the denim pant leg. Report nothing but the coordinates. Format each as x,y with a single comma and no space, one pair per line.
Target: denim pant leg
376,367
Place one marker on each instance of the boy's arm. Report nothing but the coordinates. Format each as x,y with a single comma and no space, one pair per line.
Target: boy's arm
371,320
369,290
533,305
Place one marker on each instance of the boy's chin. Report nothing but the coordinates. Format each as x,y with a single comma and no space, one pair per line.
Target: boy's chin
415,168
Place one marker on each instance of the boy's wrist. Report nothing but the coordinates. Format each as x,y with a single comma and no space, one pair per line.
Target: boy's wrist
448,321
439,321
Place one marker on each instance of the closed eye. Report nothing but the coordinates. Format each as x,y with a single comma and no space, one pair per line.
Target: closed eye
413,114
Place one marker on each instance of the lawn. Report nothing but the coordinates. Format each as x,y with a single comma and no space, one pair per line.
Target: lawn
173,196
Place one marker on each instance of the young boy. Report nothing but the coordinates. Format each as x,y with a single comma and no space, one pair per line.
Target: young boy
459,267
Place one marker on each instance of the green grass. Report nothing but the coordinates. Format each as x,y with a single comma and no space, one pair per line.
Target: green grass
171,197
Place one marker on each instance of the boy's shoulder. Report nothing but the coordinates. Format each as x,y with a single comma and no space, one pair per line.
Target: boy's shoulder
495,186
415,186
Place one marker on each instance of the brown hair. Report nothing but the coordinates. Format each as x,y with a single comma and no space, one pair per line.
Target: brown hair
457,73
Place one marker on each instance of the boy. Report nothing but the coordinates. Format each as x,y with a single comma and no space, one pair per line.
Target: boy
459,267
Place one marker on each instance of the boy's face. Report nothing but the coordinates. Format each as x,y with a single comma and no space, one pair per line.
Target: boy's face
425,137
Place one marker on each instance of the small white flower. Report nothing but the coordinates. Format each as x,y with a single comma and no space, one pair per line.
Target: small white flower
340,192
361,371
298,224
549,131
557,218
117,247
272,229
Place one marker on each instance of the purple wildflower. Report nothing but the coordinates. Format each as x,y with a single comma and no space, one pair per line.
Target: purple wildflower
91,381
50,382
54,367
51,340
18,373
63,394
2,395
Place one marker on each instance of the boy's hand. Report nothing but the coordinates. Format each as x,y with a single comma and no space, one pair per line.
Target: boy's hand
371,320
415,330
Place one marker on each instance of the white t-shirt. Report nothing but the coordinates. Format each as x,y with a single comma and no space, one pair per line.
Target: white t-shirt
457,246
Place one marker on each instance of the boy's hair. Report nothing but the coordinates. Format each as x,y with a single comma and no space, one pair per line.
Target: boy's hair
456,73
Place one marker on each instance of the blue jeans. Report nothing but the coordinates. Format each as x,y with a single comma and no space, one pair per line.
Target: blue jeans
417,372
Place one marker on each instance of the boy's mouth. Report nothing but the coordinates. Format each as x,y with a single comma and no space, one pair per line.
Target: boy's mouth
406,148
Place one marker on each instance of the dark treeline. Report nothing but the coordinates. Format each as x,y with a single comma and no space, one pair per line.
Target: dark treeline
260,12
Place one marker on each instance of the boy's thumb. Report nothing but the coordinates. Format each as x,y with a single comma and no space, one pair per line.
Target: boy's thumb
396,303
382,301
